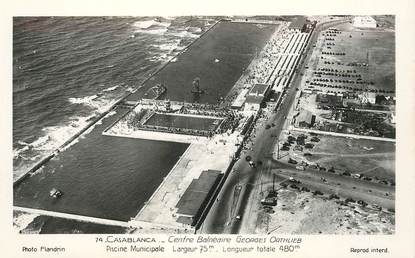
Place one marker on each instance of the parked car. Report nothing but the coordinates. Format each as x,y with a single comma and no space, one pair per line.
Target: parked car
349,200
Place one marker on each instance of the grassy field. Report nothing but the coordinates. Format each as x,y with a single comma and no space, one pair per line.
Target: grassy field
218,58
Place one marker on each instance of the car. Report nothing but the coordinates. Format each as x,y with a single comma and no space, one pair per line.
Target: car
293,186
334,196
313,166
317,193
349,200
362,203
292,161
291,179
309,146
377,207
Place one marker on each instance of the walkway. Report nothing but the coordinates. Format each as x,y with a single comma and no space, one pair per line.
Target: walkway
73,217
344,135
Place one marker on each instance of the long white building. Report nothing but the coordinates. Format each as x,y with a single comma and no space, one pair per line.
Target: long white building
364,22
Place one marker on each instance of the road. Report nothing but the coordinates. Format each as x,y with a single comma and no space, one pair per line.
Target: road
343,186
222,216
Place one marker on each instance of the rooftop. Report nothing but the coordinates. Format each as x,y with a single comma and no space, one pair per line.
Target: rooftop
254,99
240,99
305,116
197,193
259,89
364,19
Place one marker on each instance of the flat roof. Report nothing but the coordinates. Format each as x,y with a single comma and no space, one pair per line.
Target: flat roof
254,99
259,88
240,99
197,193
305,116
364,19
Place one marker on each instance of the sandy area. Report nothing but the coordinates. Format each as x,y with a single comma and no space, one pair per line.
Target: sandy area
302,213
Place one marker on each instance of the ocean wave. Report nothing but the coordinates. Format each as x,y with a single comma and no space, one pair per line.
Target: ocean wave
111,88
188,33
82,100
151,27
130,89
194,29
170,46
40,141
97,103
55,136
161,57
160,31
150,23
23,143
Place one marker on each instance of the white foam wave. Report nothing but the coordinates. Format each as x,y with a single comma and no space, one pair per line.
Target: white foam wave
194,29
168,46
160,31
40,141
82,100
130,89
17,152
54,136
161,58
149,23
111,88
21,221
184,34
23,143
100,104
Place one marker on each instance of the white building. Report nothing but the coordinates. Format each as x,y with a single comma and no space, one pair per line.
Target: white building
253,103
364,22
367,97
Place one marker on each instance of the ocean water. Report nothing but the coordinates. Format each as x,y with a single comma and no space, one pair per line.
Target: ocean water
66,70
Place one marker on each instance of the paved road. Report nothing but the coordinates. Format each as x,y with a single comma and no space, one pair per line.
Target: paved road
222,217
343,186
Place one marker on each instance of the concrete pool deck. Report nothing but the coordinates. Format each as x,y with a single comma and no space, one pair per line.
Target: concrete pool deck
209,153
